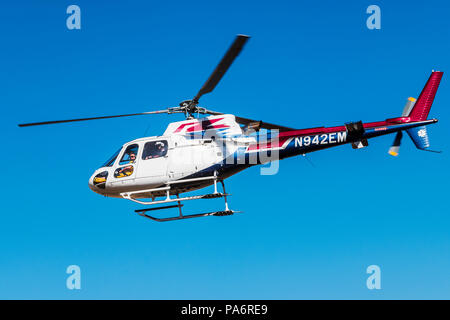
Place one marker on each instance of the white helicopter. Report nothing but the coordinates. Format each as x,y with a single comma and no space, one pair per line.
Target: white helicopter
201,152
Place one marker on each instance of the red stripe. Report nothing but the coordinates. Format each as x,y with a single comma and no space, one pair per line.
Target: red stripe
198,125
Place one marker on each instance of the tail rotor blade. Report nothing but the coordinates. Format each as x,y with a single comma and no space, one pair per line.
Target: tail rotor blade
408,106
395,148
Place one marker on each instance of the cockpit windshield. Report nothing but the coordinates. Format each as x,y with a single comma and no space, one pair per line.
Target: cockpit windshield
111,160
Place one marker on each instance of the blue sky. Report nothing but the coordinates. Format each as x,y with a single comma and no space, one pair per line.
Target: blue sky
306,233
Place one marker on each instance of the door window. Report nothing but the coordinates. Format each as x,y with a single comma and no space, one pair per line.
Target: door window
128,159
154,149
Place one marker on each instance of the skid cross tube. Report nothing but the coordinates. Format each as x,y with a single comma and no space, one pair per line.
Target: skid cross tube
169,200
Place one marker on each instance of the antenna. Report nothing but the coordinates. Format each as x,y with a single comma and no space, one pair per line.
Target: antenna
309,160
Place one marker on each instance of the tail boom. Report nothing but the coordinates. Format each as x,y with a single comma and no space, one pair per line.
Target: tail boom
413,121
292,143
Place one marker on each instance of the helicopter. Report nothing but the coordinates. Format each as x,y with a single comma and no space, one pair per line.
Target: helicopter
200,152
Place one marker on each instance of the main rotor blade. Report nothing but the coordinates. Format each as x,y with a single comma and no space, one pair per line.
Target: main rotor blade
93,118
261,124
223,66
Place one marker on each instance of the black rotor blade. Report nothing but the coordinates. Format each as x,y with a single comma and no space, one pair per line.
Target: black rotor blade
223,66
93,118
247,121
263,124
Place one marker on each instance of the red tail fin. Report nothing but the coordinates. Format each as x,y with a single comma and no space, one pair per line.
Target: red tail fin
425,100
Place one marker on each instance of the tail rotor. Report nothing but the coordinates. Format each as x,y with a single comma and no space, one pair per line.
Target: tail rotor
416,111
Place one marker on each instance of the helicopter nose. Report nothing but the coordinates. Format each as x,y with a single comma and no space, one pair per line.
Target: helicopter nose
91,183
97,182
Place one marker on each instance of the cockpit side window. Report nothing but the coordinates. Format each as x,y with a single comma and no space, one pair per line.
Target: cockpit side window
154,149
130,154
111,160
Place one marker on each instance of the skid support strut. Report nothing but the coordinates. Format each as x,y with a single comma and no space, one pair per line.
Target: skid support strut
226,212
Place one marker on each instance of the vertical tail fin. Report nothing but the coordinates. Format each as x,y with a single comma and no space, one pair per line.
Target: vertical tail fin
423,104
419,136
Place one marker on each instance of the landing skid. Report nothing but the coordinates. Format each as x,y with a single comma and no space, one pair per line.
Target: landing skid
143,212
181,216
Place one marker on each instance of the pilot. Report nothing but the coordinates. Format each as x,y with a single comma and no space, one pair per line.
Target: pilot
132,157
128,170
